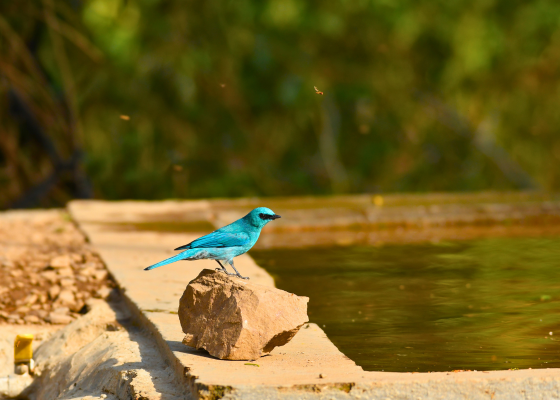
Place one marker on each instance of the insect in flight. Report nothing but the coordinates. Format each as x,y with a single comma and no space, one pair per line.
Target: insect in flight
317,91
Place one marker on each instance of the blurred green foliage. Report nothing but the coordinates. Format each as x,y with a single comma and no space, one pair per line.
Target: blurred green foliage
419,95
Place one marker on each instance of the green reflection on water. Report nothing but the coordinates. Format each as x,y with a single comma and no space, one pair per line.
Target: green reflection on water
480,305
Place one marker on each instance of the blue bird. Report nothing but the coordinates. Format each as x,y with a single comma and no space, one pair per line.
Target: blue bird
225,243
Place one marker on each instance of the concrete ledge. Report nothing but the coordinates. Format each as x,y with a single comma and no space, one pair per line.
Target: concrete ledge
289,372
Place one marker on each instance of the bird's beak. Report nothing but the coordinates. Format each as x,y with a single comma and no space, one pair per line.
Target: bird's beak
275,216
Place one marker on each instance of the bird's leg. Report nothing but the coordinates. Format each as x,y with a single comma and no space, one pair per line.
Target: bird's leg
223,269
238,274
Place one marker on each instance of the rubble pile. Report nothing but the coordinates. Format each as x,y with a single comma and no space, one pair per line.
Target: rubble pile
47,269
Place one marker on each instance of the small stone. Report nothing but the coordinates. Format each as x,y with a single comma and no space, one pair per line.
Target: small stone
103,293
322,376
63,261
49,275
21,369
31,319
37,264
77,258
54,291
77,306
31,299
100,274
16,273
103,396
235,319
66,297
23,310
61,310
66,282
13,316
64,272
59,319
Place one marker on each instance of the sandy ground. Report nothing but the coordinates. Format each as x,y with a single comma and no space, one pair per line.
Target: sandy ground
47,269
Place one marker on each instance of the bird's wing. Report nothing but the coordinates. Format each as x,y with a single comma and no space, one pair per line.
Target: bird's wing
218,239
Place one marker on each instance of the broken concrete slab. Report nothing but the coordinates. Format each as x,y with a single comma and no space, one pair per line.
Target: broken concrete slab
102,353
235,319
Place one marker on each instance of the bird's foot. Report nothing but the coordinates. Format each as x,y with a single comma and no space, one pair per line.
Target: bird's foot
242,277
225,272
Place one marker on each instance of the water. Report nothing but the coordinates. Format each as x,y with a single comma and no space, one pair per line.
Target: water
487,304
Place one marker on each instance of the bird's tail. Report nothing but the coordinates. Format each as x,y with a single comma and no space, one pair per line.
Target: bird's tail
181,256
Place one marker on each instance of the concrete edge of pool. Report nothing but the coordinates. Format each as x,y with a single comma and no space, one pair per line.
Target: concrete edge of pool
292,371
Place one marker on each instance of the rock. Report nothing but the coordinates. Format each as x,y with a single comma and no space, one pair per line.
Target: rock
100,274
61,310
31,299
31,319
77,306
66,282
235,319
13,317
63,261
66,297
37,264
21,369
16,273
23,310
54,291
77,258
49,275
65,272
103,293
55,318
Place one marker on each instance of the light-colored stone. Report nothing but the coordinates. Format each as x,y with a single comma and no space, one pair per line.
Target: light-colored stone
103,293
55,318
66,282
61,310
66,297
31,319
31,299
54,291
49,275
63,261
235,319
65,272
100,274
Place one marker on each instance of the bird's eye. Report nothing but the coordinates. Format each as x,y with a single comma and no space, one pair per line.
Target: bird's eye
263,216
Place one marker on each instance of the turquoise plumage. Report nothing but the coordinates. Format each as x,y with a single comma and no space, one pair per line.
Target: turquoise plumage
226,243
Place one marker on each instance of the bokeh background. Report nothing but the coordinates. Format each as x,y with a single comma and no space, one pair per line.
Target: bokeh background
152,99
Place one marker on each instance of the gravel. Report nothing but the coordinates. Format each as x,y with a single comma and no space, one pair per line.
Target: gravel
47,269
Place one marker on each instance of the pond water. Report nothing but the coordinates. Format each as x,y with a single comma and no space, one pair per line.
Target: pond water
487,304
